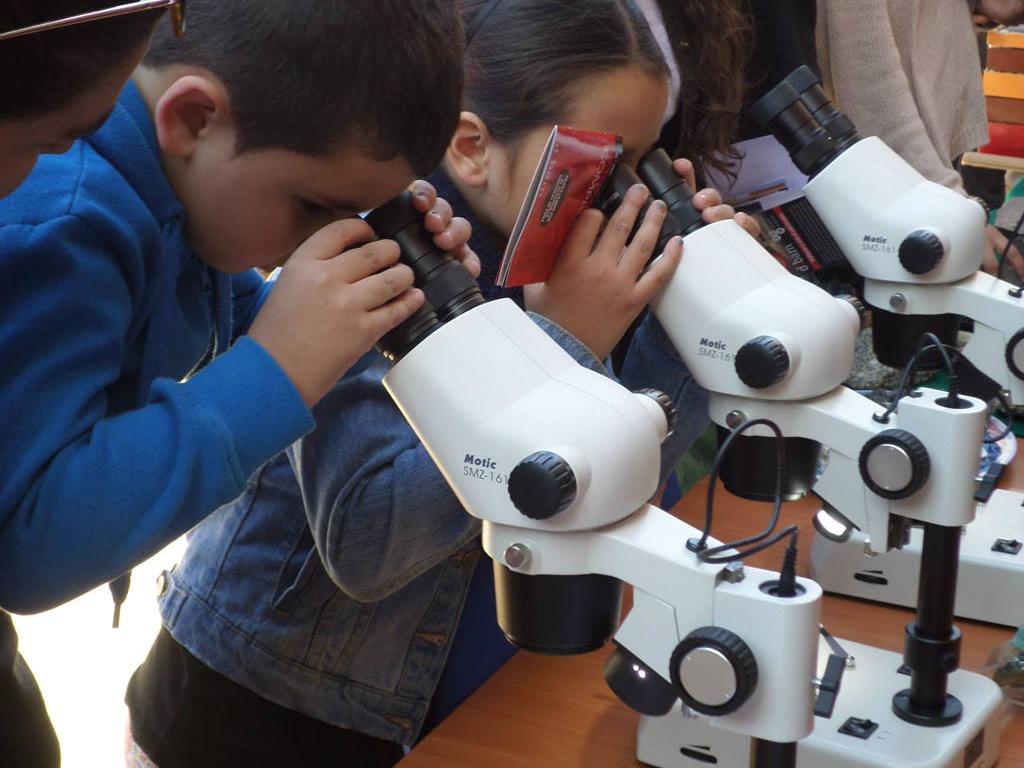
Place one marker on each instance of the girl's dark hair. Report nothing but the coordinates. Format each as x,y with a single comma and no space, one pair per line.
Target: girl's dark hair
49,70
522,64
711,40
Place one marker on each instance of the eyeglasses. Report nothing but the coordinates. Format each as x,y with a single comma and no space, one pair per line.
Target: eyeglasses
177,17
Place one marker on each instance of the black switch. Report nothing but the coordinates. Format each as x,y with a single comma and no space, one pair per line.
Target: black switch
1007,546
858,728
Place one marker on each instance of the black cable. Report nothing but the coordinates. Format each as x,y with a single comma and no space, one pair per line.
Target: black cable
927,340
760,541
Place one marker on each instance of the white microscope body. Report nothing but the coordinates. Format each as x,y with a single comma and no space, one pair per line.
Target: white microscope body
559,463
918,246
767,344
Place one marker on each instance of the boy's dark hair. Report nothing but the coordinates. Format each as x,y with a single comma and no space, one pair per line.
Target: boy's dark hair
49,70
307,75
526,59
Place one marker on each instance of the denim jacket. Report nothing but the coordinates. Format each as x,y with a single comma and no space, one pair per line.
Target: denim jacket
334,584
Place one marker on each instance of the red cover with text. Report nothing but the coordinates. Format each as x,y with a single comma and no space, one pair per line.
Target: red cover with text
572,170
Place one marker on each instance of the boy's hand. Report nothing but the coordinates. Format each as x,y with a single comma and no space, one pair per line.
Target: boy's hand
599,285
451,233
709,201
330,305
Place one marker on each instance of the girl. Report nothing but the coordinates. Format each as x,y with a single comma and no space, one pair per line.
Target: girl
340,607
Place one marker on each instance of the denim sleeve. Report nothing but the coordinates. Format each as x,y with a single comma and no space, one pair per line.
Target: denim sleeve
380,511
652,361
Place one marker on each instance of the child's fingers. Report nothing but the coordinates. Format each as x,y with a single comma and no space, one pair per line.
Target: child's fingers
715,213
456,233
584,233
685,169
423,195
334,239
360,263
615,235
749,223
636,257
707,198
469,260
661,271
379,289
439,217
389,316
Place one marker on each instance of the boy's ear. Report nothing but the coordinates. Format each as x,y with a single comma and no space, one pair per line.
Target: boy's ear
187,111
471,150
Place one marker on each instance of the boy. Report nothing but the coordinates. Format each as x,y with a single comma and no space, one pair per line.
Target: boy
127,269
314,620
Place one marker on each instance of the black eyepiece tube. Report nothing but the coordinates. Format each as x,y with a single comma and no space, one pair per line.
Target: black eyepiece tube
837,125
805,121
450,290
656,171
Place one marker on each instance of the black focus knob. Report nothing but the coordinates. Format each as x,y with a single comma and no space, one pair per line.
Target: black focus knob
1015,354
894,464
858,305
762,362
542,485
921,252
714,671
667,406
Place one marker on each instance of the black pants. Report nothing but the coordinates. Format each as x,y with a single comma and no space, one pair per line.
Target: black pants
186,715
27,739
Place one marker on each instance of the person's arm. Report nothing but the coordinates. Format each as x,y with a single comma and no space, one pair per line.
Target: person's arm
380,511
871,85
87,494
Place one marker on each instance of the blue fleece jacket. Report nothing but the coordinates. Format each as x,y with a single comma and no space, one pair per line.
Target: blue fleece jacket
104,311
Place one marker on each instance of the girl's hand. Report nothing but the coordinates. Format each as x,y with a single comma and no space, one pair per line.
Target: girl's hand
599,284
709,201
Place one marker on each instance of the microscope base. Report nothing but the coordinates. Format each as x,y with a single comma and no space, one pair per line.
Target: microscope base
988,585
680,740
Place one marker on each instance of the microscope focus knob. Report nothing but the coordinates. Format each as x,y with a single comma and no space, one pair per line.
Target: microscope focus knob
667,406
762,362
894,464
542,485
921,252
714,671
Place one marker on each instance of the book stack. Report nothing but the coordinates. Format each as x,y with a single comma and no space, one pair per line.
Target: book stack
1004,91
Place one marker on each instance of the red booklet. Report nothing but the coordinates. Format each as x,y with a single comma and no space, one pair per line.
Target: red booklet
572,170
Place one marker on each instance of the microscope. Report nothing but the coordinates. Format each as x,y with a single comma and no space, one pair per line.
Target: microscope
768,345
918,246
559,463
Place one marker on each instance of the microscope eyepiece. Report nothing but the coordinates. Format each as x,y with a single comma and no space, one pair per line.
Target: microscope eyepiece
450,290
655,171
805,121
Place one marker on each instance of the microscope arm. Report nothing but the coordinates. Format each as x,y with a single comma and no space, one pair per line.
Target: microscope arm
844,421
675,594
995,346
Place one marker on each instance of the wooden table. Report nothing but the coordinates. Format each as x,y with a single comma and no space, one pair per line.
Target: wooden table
550,712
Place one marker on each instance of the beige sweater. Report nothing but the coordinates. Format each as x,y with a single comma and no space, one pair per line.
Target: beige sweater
908,72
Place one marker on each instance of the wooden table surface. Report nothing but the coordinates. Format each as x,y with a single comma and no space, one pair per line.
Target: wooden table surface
549,712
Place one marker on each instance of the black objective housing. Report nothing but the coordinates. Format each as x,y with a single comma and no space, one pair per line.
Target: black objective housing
806,122
450,290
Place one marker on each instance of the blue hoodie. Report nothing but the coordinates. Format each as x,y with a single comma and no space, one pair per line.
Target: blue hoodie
104,311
